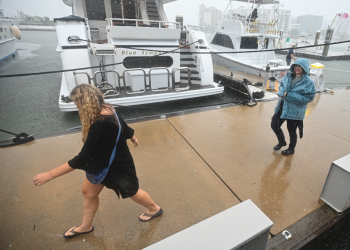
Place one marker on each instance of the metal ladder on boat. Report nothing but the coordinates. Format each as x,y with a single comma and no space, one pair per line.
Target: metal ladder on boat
152,12
187,61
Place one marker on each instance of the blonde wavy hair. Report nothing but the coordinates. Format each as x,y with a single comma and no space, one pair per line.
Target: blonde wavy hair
90,102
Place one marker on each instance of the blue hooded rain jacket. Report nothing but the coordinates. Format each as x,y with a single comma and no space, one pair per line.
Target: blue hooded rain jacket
298,95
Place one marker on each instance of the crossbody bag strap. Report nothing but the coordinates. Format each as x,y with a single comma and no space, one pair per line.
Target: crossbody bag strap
98,177
115,147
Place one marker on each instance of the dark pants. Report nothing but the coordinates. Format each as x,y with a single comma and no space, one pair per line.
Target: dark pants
288,61
292,126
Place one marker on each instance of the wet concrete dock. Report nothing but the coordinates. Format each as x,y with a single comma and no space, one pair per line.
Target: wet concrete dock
193,165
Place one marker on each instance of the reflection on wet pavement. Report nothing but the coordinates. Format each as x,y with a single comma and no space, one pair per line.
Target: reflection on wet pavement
193,165
274,183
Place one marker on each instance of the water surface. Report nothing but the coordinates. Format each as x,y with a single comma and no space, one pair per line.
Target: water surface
30,104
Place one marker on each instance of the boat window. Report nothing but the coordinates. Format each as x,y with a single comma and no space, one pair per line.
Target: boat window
249,43
0,29
223,40
125,9
267,43
147,62
129,9
216,40
116,9
228,42
95,9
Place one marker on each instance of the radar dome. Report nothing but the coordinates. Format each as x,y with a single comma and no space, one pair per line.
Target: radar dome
69,2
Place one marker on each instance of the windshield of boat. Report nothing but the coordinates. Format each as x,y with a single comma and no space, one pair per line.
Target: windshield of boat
249,42
95,9
120,9
223,40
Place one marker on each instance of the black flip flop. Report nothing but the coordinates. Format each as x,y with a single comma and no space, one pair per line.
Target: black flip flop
160,212
76,233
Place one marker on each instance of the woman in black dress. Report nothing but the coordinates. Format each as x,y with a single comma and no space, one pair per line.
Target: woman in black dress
100,130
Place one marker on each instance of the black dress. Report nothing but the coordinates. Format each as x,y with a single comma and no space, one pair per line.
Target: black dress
97,150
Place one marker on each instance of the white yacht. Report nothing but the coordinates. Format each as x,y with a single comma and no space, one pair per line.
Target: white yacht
9,33
240,34
132,53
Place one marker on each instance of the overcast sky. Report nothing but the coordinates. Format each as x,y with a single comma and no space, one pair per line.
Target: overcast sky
187,8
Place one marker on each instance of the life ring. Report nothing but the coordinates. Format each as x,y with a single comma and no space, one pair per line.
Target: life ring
16,32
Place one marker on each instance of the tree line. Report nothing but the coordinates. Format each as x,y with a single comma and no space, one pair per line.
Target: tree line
32,19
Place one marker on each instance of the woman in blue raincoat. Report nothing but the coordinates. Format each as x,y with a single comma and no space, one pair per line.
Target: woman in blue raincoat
296,91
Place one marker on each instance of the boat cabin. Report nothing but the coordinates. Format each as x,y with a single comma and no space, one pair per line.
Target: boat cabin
121,13
232,35
249,35
129,48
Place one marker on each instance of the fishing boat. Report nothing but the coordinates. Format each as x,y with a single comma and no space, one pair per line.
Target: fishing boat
245,36
9,33
132,53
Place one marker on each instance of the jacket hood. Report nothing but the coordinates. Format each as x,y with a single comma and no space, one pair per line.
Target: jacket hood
304,63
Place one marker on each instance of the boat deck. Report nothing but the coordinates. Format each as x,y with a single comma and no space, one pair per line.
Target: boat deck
193,165
239,75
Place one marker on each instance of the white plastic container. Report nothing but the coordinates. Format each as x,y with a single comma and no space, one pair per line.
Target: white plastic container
317,76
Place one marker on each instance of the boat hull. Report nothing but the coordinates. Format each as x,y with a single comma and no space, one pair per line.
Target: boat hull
233,64
8,48
8,43
144,99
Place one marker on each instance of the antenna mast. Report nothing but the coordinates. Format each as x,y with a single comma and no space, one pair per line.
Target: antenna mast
73,8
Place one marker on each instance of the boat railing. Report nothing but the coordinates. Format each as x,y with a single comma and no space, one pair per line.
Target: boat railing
75,73
193,27
189,78
142,23
150,79
258,23
144,81
115,91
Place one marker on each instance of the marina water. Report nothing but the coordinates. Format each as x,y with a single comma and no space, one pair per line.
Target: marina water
30,104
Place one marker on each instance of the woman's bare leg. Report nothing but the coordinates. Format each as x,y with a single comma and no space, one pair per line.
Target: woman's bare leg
143,198
91,202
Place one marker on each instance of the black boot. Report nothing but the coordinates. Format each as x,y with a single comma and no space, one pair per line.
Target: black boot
291,148
281,141
280,145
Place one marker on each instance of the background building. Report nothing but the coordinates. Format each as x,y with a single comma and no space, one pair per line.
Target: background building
209,16
284,20
309,24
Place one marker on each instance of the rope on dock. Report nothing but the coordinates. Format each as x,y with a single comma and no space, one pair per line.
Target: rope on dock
165,52
18,139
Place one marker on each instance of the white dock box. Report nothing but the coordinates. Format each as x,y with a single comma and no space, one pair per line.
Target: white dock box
336,191
136,79
243,226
